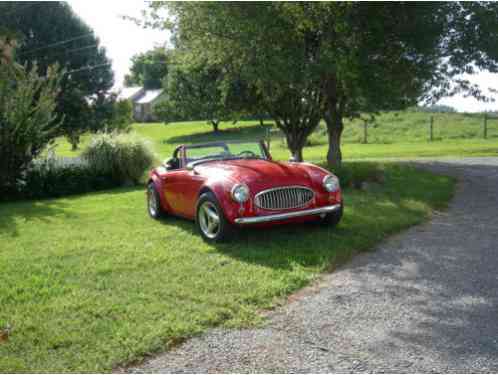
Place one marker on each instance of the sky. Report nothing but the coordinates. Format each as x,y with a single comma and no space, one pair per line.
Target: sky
123,39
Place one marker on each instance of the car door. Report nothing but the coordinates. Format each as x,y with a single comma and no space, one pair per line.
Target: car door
181,189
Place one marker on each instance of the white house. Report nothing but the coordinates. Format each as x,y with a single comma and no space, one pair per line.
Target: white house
143,101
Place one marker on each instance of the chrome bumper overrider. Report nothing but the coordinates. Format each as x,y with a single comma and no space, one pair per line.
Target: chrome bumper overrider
287,215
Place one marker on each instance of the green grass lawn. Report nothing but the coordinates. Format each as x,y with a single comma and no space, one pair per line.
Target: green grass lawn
89,282
394,135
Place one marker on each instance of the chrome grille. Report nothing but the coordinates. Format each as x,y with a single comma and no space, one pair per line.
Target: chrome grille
284,198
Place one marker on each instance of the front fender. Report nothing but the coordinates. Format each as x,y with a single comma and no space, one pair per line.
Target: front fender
222,192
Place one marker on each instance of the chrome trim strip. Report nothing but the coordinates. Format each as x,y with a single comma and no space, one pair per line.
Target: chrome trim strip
287,215
277,199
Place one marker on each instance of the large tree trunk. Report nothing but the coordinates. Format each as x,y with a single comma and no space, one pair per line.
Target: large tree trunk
295,143
296,153
333,118
334,129
215,125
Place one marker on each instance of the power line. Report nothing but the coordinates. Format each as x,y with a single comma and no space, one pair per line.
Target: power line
57,43
87,68
79,49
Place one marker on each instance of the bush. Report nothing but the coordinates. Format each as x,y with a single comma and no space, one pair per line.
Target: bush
123,157
28,120
356,174
46,180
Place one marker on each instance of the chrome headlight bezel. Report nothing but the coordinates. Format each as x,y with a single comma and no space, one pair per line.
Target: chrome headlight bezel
240,193
330,183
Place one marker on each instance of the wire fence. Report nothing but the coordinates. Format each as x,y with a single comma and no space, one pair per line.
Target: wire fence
431,130
399,129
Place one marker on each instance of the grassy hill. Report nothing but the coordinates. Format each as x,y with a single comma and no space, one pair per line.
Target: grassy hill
397,134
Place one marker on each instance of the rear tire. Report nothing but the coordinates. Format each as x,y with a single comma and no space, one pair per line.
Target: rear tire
333,218
210,219
154,207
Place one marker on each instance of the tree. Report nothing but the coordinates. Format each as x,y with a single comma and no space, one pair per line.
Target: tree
51,33
336,60
28,121
148,69
283,82
122,116
115,114
196,91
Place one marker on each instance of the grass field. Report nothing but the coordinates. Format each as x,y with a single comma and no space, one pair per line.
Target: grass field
90,282
394,135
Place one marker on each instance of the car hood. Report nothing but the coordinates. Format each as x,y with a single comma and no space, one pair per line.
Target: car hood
256,173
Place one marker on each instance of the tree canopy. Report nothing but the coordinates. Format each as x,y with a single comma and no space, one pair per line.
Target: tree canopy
49,33
148,69
332,60
195,91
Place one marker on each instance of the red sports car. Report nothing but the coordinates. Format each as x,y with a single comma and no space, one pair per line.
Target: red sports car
225,185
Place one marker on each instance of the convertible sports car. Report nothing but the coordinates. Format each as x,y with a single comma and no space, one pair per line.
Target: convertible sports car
224,185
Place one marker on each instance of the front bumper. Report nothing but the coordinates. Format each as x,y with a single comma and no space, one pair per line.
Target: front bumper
287,215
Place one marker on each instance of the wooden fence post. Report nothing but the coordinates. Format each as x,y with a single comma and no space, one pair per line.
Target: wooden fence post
431,129
485,126
365,134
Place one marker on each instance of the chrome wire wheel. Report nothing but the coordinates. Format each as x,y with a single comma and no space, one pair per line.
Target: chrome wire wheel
209,219
152,202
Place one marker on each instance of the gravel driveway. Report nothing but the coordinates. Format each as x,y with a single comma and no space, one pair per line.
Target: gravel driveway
425,301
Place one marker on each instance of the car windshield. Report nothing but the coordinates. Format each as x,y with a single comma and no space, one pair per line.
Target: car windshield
227,150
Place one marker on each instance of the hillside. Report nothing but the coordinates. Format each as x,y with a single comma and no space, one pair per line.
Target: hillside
393,134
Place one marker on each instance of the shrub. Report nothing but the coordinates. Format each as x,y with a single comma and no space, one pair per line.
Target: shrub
356,174
28,121
44,179
46,182
124,157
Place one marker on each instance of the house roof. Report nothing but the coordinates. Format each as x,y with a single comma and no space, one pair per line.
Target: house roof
130,93
150,96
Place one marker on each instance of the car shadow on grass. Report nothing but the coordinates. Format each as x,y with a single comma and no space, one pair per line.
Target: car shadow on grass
311,244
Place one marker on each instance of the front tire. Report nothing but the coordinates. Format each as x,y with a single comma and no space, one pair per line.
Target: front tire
210,220
333,218
154,202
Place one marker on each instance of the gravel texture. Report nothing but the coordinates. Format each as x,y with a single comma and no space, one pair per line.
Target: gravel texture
424,301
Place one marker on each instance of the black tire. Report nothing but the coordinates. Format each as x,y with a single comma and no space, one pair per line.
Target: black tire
154,207
223,230
333,218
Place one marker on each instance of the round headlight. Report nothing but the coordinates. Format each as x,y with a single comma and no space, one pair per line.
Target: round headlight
331,183
240,193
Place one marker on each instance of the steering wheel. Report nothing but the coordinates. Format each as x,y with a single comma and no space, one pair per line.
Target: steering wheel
247,153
